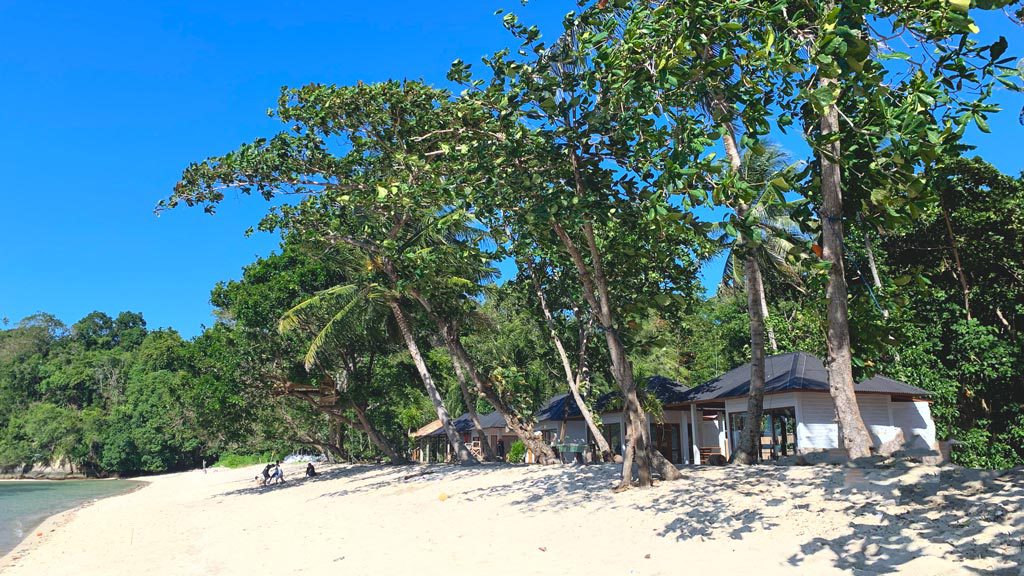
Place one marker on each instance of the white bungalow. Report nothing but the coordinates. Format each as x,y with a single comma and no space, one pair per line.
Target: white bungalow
799,415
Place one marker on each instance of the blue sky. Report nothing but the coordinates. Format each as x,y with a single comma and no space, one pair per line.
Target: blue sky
103,104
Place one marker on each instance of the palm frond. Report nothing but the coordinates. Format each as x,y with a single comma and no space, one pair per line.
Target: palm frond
327,332
292,319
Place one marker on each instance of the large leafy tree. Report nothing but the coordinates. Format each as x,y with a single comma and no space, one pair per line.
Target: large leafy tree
373,164
866,111
571,179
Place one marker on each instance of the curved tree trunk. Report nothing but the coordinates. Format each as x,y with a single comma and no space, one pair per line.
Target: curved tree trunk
595,291
458,446
377,438
470,401
958,267
852,431
573,380
749,449
520,427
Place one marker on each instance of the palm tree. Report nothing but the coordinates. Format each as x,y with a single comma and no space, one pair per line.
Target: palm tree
781,233
765,244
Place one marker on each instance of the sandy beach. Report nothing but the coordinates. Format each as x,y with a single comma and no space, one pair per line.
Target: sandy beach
495,519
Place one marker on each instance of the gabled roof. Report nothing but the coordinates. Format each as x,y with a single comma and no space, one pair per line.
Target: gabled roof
883,384
789,372
464,423
782,373
563,406
426,429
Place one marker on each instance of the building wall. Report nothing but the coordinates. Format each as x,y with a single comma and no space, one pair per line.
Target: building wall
817,429
874,409
915,420
816,422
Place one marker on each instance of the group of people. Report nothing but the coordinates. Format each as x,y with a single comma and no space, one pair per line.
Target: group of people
273,472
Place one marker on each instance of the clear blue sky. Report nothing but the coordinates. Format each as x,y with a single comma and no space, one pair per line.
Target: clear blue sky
103,104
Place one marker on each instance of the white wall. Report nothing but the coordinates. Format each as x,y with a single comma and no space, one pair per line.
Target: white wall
816,422
874,409
817,429
915,419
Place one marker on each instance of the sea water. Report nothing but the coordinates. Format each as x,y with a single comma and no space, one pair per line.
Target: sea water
24,504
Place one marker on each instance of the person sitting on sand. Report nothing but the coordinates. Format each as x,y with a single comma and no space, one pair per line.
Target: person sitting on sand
310,471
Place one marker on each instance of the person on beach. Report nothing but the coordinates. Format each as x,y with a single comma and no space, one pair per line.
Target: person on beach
501,449
310,471
266,473
276,473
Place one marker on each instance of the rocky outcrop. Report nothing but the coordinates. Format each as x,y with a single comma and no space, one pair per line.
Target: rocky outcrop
61,470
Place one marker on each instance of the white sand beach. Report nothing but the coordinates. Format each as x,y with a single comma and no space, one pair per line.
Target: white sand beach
493,519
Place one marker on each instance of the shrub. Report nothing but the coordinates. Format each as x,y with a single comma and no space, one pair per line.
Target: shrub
230,460
517,452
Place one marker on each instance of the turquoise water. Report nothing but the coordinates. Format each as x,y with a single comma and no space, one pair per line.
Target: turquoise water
24,504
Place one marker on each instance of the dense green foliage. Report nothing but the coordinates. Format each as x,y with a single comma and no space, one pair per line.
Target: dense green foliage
107,395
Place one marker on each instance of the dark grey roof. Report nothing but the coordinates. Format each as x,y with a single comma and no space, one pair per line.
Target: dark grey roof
464,423
559,407
667,390
563,406
788,372
782,372
886,385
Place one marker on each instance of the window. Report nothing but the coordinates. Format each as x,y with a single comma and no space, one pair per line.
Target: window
778,432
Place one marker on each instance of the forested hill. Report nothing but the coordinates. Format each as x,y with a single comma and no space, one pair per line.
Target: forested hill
110,396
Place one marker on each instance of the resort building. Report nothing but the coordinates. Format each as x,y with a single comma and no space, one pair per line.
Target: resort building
702,425
432,443
799,415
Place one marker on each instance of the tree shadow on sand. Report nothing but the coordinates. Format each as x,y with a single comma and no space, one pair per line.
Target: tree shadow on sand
892,515
970,517
361,471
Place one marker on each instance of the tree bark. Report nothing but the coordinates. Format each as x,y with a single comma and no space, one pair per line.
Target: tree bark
458,446
839,365
376,437
573,380
960,276
595,291
470,401
749,449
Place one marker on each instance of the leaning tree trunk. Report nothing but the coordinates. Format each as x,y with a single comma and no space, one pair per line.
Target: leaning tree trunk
520,427
749,449
458,446
571,379
470,402
595,291
960,276
854,434
377,438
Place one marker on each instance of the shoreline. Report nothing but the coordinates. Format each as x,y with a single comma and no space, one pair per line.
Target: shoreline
35,536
